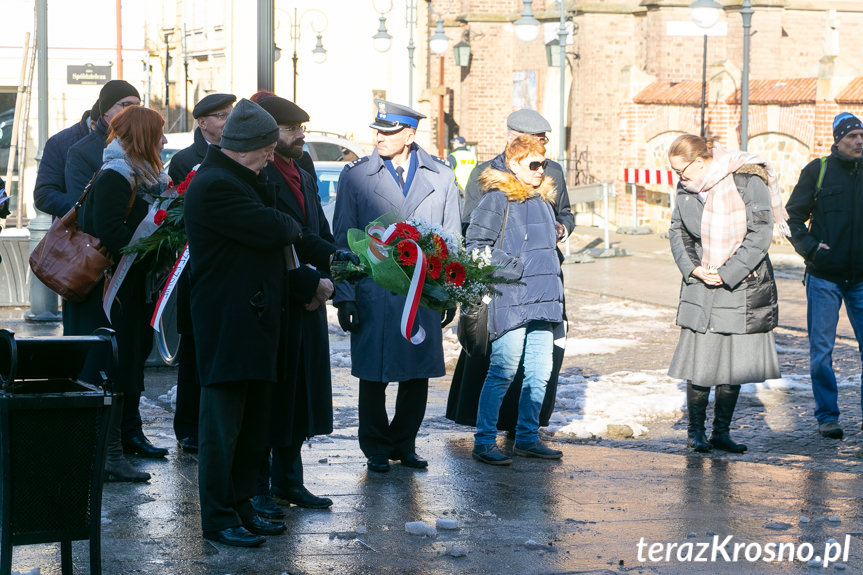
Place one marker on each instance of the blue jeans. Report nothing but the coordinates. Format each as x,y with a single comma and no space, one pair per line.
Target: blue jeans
824,299
534,342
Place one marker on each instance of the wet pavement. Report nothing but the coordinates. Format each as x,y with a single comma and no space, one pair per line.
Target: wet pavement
585,514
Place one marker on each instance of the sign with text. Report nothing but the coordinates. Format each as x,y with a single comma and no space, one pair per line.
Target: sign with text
88,75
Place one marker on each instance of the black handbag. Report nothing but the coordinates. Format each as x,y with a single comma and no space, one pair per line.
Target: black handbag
472,329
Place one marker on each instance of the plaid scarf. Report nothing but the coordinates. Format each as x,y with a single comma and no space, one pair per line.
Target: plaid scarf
723,223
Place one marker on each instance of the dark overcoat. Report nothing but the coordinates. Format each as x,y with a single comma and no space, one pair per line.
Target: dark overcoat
236,241
50,195
306,338
84,159
366,191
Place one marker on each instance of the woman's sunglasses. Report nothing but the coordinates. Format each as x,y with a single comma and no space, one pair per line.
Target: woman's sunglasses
683,169
534,166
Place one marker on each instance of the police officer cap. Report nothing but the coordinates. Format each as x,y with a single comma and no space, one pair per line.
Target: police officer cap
212,103
393,117
458,142
285,112
527,121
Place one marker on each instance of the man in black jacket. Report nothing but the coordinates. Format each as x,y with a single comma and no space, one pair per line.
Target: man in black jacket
211,113
828,197
303,401
50,195
237,254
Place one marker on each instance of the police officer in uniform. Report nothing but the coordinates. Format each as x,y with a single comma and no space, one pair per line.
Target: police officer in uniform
399,175
462,160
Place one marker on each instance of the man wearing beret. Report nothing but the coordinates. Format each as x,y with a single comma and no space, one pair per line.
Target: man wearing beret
211,113
825,214
303,400
237,257
401,176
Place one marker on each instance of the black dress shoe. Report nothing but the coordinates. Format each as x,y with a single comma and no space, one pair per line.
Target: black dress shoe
411,460
265,507
302,497
260,526
188,444
141,446
235,536
379,463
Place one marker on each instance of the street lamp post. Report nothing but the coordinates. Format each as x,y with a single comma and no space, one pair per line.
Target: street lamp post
319,54
705,14
746,12
561,39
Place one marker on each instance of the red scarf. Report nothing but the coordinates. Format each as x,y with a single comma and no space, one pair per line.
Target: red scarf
289,172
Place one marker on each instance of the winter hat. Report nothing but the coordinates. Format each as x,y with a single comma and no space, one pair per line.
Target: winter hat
113,92
249,127
458,142
285,112
212,103
844,123
527,121
94,111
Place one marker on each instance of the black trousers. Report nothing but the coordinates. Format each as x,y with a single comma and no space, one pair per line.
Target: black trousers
188,391
235,418
379,436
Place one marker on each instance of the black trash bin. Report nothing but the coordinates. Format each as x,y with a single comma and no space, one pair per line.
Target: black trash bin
53,431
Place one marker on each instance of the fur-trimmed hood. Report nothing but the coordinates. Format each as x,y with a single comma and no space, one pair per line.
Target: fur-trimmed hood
513,189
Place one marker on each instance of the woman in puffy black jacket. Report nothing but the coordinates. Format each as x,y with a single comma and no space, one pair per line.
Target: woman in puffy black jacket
514,219
721,228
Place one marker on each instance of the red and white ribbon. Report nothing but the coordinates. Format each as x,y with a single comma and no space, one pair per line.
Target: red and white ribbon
409,312
378,250
180,264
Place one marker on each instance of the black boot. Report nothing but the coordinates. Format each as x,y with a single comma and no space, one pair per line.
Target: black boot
116,466
696,405
723,410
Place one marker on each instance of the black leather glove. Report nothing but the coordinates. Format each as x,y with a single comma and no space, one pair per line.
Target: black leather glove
447,316
345,256
349,317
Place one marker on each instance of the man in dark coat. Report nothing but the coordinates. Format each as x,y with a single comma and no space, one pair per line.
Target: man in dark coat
399,175
303,402
211,114
50,195
237,253
85,156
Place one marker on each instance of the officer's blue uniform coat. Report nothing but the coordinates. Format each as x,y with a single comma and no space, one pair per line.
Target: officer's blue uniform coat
366,191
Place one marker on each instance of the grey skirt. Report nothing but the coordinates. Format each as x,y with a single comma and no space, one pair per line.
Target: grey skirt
709,359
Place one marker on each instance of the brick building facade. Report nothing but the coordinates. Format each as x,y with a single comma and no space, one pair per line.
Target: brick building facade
634,87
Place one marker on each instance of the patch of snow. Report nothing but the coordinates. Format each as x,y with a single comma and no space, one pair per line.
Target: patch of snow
598,346
420,528
447,524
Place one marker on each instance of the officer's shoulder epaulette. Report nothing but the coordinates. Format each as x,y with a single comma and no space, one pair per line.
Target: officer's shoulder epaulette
441,160
357,162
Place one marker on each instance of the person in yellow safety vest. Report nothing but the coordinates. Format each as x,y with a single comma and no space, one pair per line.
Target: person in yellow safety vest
461,160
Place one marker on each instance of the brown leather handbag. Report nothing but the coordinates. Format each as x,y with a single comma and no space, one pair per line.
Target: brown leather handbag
69,261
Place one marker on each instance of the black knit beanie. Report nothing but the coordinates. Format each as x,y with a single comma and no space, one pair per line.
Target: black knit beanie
113,92
249,127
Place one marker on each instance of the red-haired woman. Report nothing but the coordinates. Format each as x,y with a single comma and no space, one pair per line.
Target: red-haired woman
130,178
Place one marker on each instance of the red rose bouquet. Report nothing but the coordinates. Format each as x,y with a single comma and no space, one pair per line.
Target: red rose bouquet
414,257
168,239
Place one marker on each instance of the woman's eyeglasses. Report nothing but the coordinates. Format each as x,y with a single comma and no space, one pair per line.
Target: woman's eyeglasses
534,166
680,171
